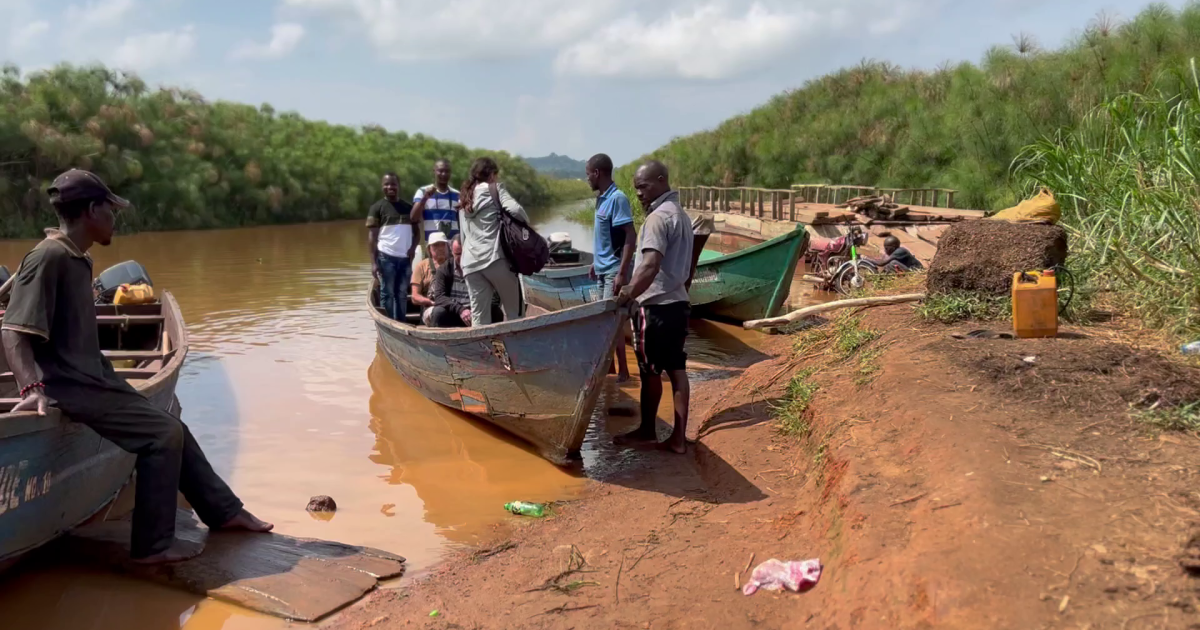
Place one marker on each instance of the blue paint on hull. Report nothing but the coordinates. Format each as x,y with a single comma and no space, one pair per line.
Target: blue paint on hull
537,378
56,474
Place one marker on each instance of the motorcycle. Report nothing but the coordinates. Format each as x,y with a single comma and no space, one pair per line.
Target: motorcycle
852,275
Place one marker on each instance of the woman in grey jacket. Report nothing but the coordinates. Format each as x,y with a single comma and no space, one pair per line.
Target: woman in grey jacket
484,265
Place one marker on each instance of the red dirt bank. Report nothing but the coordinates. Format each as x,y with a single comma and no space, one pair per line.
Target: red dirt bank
957,490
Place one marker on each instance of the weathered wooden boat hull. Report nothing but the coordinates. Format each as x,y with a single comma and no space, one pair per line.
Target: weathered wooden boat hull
749,284
537,378
56,474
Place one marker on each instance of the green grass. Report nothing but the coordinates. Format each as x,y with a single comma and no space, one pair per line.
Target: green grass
583,214
868,366
1180,418
950,308
1126,179
791,412
850,335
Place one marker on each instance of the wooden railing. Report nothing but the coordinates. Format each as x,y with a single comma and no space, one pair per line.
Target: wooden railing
780,204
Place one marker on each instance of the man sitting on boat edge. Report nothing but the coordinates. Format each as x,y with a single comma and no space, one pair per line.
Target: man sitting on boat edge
52,346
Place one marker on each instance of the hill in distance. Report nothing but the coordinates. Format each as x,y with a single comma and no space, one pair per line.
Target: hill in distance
558,166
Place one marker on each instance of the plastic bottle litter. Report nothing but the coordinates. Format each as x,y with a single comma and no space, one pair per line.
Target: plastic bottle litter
774,575
1191,348
523,508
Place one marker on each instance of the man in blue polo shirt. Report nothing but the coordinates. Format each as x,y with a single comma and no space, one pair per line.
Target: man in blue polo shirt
615,241
440,209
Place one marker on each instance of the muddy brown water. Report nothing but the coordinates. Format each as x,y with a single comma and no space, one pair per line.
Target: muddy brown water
288,396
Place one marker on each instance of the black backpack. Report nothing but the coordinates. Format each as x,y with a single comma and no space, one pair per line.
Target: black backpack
526,250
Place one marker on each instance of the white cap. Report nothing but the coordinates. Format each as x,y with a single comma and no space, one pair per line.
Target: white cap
438,237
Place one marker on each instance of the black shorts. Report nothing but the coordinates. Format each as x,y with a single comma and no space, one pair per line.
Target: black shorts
659,331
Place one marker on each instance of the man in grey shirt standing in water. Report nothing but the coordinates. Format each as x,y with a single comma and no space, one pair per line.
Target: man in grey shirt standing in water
660,286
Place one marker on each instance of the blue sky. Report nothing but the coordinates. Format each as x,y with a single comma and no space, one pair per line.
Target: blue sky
527,76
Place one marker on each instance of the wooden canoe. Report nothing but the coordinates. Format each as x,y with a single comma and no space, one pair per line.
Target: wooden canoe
56,474
749,284
537,378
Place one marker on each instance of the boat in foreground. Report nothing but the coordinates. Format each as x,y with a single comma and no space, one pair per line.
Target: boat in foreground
56,474
537,378
749,284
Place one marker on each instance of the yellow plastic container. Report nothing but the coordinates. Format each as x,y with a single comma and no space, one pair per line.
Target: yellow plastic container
134,294
1035,304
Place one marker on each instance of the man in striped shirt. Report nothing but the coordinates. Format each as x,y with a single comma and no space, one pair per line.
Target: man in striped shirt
439,202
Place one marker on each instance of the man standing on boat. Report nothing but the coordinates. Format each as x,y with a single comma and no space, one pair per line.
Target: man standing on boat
392,241
614,242
53,349
438,203
660,286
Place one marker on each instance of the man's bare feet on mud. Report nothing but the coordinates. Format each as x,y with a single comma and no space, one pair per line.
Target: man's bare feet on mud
677,443
248,522
179,551
636,437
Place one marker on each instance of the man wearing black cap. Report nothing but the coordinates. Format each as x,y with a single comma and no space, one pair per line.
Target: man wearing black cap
52,346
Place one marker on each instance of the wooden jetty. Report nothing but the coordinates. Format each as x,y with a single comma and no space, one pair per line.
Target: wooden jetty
537,377
292,578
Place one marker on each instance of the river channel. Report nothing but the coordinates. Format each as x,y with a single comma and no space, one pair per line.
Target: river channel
285,391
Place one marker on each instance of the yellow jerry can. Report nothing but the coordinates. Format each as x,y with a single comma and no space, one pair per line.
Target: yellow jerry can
134,294
1035,304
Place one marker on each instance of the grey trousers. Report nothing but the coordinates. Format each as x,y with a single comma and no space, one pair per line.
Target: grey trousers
495,279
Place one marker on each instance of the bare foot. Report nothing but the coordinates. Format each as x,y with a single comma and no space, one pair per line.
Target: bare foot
637,436
178,552
677,443
247,521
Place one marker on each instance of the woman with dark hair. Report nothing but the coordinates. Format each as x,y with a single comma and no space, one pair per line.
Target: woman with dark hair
484,265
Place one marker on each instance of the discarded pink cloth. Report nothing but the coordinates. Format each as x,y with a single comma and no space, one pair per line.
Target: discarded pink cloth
774,575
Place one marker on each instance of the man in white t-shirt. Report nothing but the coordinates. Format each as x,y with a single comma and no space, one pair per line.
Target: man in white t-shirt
392,245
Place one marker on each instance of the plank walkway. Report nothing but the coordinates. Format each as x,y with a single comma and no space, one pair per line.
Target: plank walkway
292,578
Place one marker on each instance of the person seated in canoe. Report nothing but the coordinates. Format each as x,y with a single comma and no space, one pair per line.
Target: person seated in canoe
614,242
451,297
52,345
660,287
423,271
897,259
840,246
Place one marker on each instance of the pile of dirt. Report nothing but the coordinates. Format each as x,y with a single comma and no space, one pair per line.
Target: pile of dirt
1087,373
982,256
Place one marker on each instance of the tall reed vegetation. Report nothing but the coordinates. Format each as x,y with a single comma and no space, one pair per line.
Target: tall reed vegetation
959,126
186,162
1126,177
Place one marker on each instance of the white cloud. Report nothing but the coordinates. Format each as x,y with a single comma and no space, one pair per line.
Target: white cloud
407,30
689,39
155,50
23,36
708,42
284,39
97,14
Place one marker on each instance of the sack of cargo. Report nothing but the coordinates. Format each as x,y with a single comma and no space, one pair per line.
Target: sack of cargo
1041,209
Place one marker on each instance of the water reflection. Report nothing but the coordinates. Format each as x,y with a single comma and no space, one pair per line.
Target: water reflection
463,471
